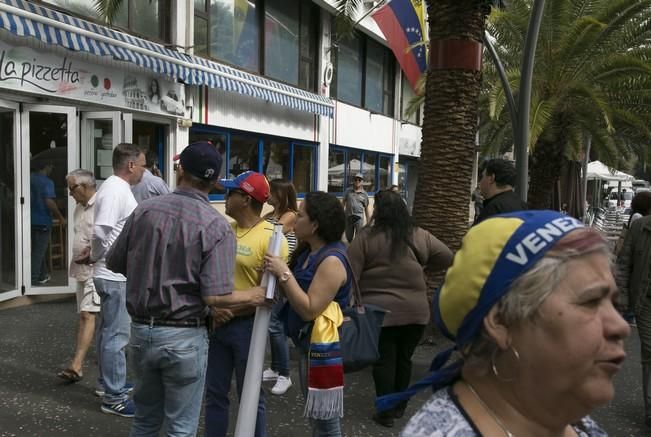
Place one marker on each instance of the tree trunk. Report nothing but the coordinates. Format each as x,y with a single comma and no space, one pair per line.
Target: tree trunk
442,198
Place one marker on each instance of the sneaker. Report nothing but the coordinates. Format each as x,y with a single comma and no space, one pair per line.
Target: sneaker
282,385
124,409
99,392
269,375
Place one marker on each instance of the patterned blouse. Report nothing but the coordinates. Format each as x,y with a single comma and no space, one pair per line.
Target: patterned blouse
443,416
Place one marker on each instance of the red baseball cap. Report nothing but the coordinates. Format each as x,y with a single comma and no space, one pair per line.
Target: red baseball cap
252,183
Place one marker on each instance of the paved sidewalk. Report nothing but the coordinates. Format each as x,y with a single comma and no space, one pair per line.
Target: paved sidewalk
37,340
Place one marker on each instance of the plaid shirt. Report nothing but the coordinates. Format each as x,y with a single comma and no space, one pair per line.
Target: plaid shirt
174,249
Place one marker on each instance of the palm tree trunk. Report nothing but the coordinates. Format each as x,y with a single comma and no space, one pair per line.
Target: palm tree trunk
544,170
441,203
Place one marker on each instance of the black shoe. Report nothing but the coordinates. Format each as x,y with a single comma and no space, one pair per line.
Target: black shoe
385,419
398,412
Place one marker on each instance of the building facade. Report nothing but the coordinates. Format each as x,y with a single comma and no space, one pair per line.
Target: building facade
266,81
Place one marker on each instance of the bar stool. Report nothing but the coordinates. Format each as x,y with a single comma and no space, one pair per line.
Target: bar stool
57,247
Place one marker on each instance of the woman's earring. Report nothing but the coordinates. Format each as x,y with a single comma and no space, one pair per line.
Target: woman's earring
494,366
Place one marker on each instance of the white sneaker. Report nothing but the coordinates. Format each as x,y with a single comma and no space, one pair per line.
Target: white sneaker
269,375
282,385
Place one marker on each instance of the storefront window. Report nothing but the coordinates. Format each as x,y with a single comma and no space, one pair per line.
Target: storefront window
243,155
275,161
335,171
353,166
304,168
370,160
150,19
385,172
232,30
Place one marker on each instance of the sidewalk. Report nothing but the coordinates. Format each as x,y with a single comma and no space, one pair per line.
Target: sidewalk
38,340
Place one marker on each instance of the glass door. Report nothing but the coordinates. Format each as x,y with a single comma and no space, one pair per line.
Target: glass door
10,213
100,133
49,152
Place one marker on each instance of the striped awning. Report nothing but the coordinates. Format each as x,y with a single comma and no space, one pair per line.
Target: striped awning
26,19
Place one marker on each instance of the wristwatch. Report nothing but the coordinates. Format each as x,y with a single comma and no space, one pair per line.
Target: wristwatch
284,277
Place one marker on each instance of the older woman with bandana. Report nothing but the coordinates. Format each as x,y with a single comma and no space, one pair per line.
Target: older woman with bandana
530,304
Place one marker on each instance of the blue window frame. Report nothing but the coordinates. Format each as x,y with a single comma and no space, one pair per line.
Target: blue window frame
276,157
344,163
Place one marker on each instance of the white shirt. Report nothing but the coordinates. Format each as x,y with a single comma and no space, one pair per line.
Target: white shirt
83,227
114,203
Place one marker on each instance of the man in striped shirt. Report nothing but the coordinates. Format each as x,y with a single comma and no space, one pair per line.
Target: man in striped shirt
178,254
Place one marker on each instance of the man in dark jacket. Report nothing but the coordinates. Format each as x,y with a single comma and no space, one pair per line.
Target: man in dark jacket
496,185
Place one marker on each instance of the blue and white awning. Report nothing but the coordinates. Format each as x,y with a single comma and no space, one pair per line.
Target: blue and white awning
26,19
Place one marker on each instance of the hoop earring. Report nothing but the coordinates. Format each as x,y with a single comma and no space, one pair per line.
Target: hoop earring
494,366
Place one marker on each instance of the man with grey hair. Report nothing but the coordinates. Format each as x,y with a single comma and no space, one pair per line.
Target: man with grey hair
152,184
114,203
81,187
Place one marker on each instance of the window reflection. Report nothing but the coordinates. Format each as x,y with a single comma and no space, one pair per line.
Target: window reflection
234,32
304,168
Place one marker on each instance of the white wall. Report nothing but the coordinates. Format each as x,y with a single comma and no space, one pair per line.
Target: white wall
359,128
409,138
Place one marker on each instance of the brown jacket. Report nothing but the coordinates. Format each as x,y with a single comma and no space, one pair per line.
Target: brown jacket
634,264
399,285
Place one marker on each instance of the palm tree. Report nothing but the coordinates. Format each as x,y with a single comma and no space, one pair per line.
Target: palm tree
591,79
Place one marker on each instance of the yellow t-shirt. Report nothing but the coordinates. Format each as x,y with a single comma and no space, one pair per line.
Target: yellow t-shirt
252,244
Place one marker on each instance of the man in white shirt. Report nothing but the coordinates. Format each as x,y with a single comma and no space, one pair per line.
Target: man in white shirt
81,186
114,203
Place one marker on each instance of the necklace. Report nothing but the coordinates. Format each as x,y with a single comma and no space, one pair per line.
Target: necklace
250,229
497,420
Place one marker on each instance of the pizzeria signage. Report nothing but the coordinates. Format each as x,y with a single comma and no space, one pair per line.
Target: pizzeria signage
25,69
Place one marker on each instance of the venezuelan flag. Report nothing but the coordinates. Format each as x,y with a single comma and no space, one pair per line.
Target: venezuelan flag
403,23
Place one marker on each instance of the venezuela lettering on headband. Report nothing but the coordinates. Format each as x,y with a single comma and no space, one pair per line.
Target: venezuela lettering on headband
540,238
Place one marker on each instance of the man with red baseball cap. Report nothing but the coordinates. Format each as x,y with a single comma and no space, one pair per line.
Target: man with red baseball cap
229,344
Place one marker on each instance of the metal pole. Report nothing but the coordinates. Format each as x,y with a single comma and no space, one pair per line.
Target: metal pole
248,412
510,101
584,182
524,100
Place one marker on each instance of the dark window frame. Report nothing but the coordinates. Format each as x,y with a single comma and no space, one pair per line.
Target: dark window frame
261,7
389,64
228,133
347,150
164,32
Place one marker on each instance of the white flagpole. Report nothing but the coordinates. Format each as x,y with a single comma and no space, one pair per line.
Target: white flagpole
248,412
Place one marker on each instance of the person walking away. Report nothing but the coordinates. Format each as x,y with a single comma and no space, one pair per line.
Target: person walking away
81,187
114,203
356,207
317,284
282,197
389,258
172,278
43,207
151,184
633,270
229,344
496,185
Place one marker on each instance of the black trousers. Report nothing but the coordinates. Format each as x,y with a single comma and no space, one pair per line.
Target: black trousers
392,373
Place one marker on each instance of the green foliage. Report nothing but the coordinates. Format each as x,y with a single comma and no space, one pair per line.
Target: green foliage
108,9
592,77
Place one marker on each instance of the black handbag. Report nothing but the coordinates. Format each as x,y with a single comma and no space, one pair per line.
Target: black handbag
359,334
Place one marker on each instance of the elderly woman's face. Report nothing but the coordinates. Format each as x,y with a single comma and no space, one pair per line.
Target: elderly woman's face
576,343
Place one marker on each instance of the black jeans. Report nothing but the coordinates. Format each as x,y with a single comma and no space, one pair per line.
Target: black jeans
392,373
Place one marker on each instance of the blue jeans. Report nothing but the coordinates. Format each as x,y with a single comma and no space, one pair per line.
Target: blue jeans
112,338
169,365
228,352
40,240
278,341
320,427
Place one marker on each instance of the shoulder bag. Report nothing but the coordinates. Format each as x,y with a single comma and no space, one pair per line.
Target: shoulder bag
359,334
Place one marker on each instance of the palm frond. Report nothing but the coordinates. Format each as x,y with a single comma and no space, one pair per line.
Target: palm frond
108,9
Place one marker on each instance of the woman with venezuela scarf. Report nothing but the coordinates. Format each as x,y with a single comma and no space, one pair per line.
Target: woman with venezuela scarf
317,287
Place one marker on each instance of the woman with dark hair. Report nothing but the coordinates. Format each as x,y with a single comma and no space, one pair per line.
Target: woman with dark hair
640,206
282,196
317,287
389,258
154,91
